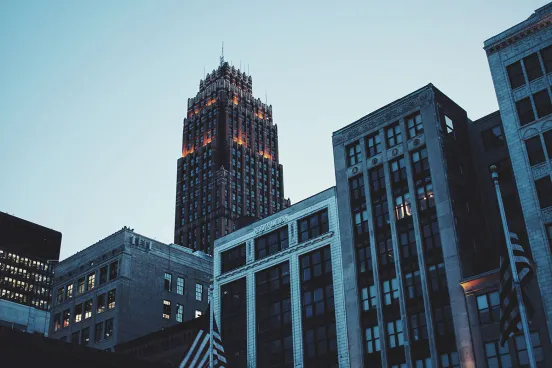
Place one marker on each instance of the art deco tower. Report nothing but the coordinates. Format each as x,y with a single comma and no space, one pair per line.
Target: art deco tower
229,168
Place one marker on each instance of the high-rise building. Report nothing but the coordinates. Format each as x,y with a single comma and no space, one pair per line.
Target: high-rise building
278,289
28,253
520,60
229,168
126,286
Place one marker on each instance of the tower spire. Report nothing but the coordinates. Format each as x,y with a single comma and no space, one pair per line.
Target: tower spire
222,55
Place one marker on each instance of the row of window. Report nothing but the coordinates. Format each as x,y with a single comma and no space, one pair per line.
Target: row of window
538,103
102,331
83,311
107,273
179,285
498,356
530,68
24,261
535,150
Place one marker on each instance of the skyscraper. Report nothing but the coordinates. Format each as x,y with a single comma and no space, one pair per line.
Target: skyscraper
229,168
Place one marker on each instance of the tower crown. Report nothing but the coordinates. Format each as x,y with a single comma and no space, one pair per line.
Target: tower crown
229,73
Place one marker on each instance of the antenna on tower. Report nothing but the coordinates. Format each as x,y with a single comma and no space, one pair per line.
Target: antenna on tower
222,55
266,97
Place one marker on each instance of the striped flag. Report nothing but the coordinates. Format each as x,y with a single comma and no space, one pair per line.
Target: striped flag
510,319
198,355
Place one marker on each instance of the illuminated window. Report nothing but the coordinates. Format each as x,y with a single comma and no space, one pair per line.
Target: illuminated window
372,339
179,312
69,291
199,292
108,331
414,125
88,309
100,303
488,306
166,309
111,299
180,286
369,298
91,281
198,313
395,333
168,281
80,286
66,317
402,206
78,312
515,74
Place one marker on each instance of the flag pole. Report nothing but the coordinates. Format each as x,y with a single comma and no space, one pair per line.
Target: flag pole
211,311
513,268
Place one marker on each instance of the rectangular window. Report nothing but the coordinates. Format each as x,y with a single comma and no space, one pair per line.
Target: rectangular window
497,356
356,189
430,233
373,145
420,163
88,309
418,326
180,286
413,285
113,270
57,321
364,260
361,233
232,259
407,242
525,111
398,171
108,331
450,360
166,309
271,243
493,138
542,103
521,349
372,339
179,312
449,125
168,282
91,281
78,313
369,298
424,194
544,191
394,135
313,226
80,286
443,321
199,292
414,125
98,332
75,337
69,290
437,279
85,336
390,291
111,299
547,58
103,275
100,303
488,306
548,142
59,296
515,74
532,67
403,207
353,154
66,317
395,333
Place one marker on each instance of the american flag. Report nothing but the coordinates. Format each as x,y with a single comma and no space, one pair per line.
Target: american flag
510,320
198,355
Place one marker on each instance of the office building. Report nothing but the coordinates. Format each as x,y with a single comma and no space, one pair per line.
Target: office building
278,289
28,253
520,61
229,167
126,286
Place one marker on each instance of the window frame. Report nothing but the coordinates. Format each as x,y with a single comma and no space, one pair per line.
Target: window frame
516,76
373,145
198,292
353,153
167,309
167,282
414,126
533,67
543,187
525,112
307,231
393,135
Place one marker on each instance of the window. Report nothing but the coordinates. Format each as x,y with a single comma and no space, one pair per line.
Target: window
317,302
103,274
544,191
402,206
88,309
390,291
57,321
449,125
198,313
59,296
423,363
407,242
394,135
424,193
418,326
521,349
413,284
316,264
356,188
180,286
313,226
108,331
398,171
80,286
488,306
414,125
443,321
271,243
372,339
320,345
78,313
233,258
353,154
179,312
547,58
113,270
199,292
548,142
373,145
364,259
166,309
395,333
98,332
100,303
85,336
515,74
430,233
497,356
542,103
420,163
69,289
91,281
369,298
532,67
450,360
168,282
525,111
111,299
437,278
492,138
66,317
75,337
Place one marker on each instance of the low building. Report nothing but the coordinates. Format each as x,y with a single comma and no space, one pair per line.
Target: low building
278,289
28,253
126,286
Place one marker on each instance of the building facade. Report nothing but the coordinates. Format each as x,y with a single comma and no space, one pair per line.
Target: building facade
520,61
278,289
126,286
409,223
28,253
230,163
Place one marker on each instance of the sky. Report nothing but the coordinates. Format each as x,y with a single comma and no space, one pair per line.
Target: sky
93,93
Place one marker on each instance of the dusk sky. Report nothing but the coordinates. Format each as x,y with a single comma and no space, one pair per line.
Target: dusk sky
93,93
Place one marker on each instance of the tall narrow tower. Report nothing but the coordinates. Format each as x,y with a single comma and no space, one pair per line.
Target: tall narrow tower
229,171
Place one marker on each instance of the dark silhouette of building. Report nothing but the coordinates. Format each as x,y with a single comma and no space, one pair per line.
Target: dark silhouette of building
230,163
28,253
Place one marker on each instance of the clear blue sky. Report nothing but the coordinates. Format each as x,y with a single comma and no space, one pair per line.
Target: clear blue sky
93,93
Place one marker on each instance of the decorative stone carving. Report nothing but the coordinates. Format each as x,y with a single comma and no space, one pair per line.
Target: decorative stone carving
416,141
374,161
531,132
538,85
547,125
520,93
547,215
540,170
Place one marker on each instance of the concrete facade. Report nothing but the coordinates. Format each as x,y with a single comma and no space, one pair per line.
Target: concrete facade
248,235
139,284
527,39
24,318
